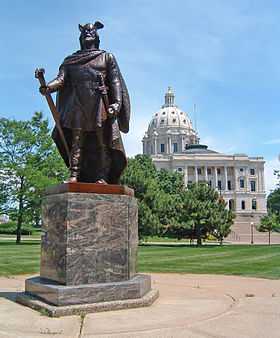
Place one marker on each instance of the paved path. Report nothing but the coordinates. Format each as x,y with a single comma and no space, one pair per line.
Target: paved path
190,306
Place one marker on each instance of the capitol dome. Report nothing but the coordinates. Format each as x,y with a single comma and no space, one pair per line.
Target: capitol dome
170,116
170,130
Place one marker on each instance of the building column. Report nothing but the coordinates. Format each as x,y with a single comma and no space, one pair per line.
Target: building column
236,183
186,178
262,181
226,178
216,177
206,174
247,179
155,145
195,174
170,145
182,143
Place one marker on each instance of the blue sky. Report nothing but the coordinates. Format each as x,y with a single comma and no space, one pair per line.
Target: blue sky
221,55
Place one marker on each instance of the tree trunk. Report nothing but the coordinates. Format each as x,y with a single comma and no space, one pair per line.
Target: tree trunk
20,213
269,232
199,241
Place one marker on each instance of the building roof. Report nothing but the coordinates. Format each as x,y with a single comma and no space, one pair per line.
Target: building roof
199,149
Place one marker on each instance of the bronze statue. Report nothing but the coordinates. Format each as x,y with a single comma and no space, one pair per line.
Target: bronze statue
93,105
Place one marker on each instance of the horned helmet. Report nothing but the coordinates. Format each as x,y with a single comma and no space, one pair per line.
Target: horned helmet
89,34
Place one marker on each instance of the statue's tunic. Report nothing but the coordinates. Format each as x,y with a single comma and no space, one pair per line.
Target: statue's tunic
80,103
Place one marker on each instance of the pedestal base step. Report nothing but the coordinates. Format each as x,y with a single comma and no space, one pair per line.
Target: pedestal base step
82,309
57,294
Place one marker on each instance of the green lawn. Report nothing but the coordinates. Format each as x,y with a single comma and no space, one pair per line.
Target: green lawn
19,259
244,260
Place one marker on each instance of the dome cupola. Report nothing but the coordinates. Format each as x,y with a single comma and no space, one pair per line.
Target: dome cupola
170,128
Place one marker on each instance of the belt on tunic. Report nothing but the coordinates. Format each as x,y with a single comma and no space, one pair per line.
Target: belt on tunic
87,84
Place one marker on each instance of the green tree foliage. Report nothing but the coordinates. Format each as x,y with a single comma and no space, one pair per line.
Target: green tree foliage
156,191
269,223
273,201
29,162
202,212
167,208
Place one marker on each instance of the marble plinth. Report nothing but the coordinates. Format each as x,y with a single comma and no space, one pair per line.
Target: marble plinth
88,252
88,237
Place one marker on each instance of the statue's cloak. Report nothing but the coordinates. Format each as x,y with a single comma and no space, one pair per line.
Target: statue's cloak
113,126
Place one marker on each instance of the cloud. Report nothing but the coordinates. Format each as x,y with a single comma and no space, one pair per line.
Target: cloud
270,178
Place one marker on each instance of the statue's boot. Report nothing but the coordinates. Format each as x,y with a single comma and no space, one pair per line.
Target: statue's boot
76,155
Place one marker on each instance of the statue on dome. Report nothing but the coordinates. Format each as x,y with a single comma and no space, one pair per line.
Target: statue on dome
93,107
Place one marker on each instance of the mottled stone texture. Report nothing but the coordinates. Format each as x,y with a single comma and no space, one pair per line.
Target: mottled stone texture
89,238
61,295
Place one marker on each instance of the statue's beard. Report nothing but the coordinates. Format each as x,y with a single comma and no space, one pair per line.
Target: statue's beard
89,43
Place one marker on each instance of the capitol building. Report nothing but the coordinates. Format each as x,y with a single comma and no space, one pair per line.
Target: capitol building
173,144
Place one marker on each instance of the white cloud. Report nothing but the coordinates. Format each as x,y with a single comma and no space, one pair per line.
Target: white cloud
270,179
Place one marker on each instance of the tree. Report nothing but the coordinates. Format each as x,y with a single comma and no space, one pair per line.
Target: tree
223,221
29,162
201,212
273,201
157,193
269,223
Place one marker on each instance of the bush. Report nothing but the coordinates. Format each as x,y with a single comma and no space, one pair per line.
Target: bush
10,228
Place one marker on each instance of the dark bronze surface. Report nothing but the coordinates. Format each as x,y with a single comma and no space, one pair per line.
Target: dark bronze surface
93,105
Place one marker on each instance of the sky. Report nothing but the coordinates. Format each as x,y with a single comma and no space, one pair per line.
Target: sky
222,56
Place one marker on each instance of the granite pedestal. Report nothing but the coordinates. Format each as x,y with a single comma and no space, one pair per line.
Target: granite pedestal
88,251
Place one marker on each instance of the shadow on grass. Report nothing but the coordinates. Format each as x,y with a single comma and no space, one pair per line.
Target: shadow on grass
11,243
181,245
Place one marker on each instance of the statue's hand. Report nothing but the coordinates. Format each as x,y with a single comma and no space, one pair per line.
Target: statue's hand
113,110
44,90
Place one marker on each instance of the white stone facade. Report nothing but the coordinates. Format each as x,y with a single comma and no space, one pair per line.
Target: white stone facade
173,144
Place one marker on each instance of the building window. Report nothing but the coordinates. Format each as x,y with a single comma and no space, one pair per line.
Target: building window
252,172
199,171
161,121
184,121
218,171
254,204
179,169
162,148
253,185
220,185
175,147
243,206
241,183
174,120
189,183
241,170
173,112
163,113
209,171
229,185
231,204
210,184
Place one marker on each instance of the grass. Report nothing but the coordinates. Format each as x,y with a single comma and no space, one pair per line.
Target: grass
19,259
244,260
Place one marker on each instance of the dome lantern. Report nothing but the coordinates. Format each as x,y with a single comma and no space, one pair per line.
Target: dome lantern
169,98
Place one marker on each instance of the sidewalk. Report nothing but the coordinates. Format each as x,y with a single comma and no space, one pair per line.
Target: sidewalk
195,306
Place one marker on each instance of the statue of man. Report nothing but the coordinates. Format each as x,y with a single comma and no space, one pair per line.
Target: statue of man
93,104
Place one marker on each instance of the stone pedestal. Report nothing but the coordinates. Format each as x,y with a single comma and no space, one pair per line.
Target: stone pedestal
88,250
